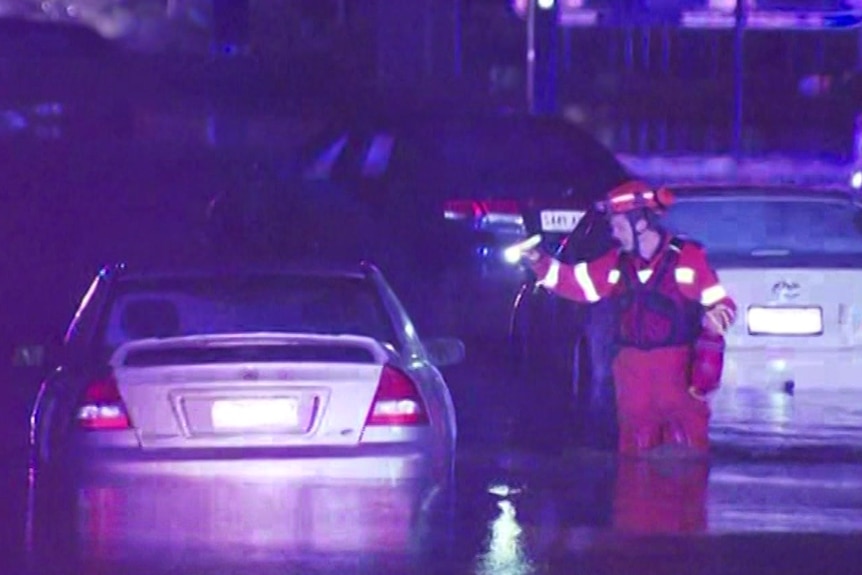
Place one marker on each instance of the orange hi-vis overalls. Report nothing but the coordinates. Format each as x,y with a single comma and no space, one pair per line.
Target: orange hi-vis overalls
661,304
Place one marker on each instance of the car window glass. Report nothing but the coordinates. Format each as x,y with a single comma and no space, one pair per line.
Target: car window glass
378,155
187,307
749,227
323,164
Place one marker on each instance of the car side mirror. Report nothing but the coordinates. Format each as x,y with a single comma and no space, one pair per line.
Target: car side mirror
444,352
35,356
30,355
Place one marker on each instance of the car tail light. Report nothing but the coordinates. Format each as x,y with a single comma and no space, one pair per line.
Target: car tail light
397,401
850,322
485,212
101,407
462,210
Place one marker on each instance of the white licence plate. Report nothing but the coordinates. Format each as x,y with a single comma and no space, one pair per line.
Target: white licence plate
785,320
560,220
255,413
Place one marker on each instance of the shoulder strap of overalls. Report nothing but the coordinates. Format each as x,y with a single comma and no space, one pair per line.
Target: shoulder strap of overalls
627,271
669,260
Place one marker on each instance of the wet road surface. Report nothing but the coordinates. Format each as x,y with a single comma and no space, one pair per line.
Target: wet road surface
540,515
761,505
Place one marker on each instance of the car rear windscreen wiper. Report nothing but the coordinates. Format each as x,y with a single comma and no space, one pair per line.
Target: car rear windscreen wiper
770,252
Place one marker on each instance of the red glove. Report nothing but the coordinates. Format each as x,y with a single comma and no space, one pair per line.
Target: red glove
707,364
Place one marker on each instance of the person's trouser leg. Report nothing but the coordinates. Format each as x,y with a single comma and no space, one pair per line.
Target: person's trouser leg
639,424
685,419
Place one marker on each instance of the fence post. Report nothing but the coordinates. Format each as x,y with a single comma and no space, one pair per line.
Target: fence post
428,38
542,61
458,38
740,13
530,64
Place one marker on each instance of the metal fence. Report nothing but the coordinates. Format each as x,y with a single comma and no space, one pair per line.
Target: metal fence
654,77
706,80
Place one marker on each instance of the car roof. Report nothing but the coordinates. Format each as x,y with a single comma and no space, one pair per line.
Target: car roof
785,191
411,123
463,150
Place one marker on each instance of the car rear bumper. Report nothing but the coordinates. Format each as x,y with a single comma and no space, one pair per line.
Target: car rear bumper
790,398
86,464
811,368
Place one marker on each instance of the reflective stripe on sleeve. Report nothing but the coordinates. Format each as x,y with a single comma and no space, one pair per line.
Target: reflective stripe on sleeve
684,275
552,277
613,277
582,276
713,295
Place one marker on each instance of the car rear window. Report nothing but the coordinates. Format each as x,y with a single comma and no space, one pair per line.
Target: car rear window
806,230
174,307
477,155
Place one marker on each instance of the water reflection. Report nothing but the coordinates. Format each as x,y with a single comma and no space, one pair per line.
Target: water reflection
661,496
166,523
594,507
586,517
506,552
786,498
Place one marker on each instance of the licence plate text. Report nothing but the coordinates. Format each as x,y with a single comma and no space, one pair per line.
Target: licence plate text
560,220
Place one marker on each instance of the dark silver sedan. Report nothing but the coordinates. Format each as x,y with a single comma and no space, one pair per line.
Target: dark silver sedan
293,372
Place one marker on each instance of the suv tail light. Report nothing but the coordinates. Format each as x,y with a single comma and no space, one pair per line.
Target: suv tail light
101,407
485,212
397,401
462,210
